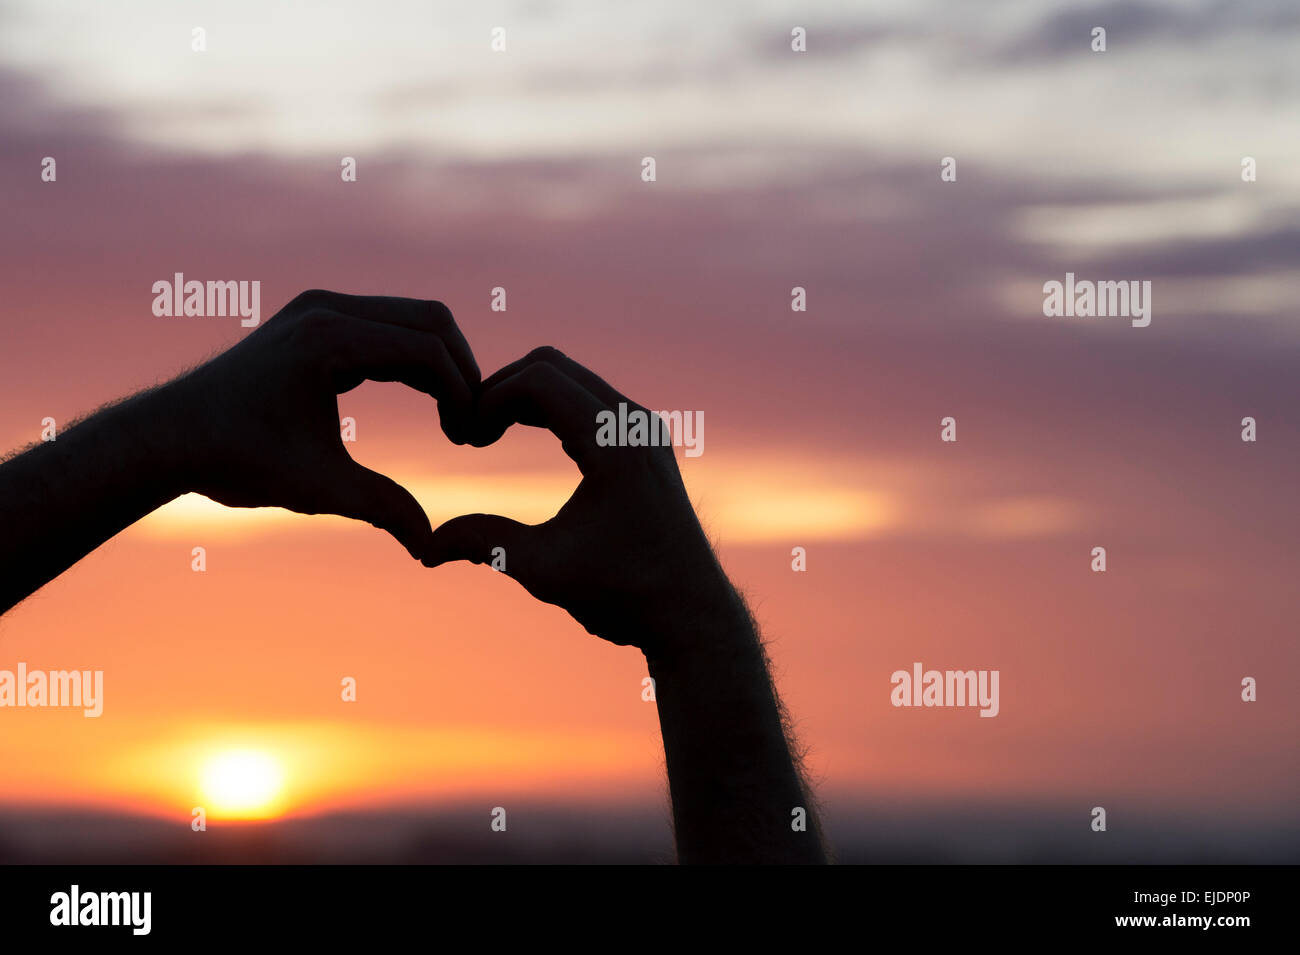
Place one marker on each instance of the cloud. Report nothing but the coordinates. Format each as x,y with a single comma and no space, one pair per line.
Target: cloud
1134,23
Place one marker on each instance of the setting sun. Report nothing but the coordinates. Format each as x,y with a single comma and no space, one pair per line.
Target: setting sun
242,784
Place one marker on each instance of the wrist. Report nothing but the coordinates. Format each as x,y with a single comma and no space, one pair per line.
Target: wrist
162,426
709,626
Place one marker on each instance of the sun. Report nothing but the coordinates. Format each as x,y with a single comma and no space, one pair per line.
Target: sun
242,784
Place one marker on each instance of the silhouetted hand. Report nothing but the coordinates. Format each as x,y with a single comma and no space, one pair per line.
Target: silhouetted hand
257,426
626,547
263,417
627,558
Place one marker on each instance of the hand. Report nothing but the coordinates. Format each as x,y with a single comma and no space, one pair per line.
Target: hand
261,425
626,549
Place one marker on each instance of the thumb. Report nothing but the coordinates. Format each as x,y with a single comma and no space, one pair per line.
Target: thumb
369,496
477,537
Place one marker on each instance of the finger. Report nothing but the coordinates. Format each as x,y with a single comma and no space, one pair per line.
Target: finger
483,539
542,396
584,376
366,495
358,350
421,314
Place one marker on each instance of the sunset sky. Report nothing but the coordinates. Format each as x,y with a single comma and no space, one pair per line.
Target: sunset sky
775,169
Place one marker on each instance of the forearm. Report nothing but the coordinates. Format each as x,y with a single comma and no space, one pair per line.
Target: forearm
63,498
734,781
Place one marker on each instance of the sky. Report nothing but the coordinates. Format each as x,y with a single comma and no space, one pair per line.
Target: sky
522,169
